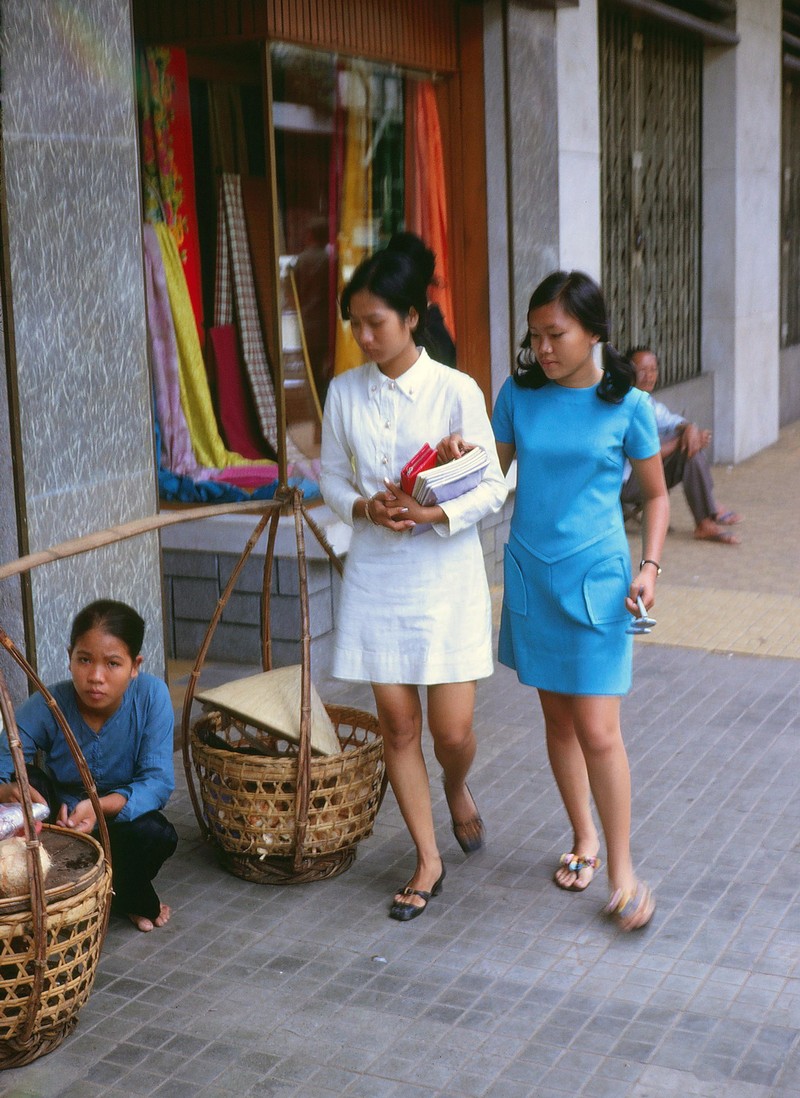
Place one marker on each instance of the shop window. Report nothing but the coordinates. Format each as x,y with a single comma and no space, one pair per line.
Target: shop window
263,257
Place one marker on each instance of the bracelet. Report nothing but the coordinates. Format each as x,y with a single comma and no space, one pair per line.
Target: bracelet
367,515
655,564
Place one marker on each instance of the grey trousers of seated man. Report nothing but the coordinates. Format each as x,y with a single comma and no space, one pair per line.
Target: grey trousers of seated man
695,475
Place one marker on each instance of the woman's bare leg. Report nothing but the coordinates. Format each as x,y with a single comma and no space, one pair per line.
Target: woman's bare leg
597,728
451,707
568,764
400,721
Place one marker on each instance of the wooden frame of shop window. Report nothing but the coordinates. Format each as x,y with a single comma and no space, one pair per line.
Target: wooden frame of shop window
440,37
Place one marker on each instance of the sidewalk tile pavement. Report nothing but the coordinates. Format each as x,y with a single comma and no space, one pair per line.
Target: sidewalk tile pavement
508,987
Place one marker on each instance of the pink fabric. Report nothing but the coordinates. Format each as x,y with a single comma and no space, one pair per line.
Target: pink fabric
177,454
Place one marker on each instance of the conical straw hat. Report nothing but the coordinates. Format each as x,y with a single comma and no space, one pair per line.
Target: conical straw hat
271,701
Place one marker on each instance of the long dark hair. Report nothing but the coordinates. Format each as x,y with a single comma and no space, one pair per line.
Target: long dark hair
582,299
115,618
394,278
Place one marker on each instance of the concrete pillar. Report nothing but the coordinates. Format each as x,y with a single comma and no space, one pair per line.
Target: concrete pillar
73,277
533,154
578,79
741,230
501,336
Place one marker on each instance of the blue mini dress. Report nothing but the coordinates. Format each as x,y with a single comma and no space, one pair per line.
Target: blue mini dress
567,564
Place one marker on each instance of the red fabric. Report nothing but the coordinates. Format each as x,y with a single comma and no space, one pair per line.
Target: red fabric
426,197
168,159
234,400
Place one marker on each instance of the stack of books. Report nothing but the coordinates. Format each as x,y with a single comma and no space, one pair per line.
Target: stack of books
444,482
430,484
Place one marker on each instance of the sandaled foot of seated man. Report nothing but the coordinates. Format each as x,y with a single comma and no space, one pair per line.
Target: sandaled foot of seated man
724,517
469,831
141,922
708,530
411,901
632,910
576,871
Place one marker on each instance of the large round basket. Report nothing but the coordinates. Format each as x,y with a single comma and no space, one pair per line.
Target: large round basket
77,897
249,800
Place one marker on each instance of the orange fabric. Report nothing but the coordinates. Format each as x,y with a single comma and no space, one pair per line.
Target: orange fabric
426,197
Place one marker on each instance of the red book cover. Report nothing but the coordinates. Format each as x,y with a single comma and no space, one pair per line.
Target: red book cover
424,458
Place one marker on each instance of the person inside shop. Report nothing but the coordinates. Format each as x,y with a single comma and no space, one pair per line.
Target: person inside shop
123,721
684,451
568,591
312,272
414,611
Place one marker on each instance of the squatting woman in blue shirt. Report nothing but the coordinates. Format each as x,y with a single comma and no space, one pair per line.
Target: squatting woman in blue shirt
123,721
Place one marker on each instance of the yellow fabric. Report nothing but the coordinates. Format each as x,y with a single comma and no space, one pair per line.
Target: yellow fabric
355,221
209,449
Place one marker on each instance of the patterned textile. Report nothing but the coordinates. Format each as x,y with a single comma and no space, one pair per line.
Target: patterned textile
426,197
235,292
235,289
168,158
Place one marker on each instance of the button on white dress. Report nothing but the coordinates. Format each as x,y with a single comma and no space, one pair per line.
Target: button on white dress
412,609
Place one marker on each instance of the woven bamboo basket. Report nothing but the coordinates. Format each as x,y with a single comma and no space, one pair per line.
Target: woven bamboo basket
51,937
73,930
279,815
250,800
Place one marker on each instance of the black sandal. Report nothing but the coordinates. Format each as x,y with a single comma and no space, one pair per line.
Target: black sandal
403,912
470,834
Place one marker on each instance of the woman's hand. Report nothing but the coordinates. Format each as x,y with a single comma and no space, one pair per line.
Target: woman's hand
387,509
452,447
81,818
644,586
413,513
10,794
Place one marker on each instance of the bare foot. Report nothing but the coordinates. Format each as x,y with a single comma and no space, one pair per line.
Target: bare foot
707,530
141,922
423,881
632,910
576,871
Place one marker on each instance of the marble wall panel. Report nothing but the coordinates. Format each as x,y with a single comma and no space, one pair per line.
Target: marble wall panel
67,68
11,617
77,291
533,143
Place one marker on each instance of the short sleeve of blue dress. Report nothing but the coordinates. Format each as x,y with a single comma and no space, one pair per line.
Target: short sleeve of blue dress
567,564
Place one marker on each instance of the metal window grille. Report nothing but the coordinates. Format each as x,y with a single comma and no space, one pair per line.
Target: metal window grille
650,101
790,213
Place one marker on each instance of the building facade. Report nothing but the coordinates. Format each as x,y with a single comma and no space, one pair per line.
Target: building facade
645,143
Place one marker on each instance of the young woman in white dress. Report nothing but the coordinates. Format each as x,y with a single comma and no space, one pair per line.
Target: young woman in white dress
414,609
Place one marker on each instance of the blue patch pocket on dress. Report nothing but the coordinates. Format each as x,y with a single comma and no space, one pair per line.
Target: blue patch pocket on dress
605,586
515,597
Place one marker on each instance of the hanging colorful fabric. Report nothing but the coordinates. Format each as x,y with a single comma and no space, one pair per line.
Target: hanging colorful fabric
168,159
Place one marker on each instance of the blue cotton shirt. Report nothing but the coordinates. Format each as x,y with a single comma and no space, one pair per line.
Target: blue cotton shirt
571,449
131,754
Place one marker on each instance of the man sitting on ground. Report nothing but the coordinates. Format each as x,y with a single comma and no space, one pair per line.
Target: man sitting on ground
683,451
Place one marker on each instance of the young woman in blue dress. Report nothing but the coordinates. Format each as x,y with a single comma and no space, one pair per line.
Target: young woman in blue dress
569,591
123,721
414,610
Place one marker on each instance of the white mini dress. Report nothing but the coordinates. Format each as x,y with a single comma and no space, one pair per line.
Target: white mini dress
413,608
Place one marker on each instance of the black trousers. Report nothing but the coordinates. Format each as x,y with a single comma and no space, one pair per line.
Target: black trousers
139,848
